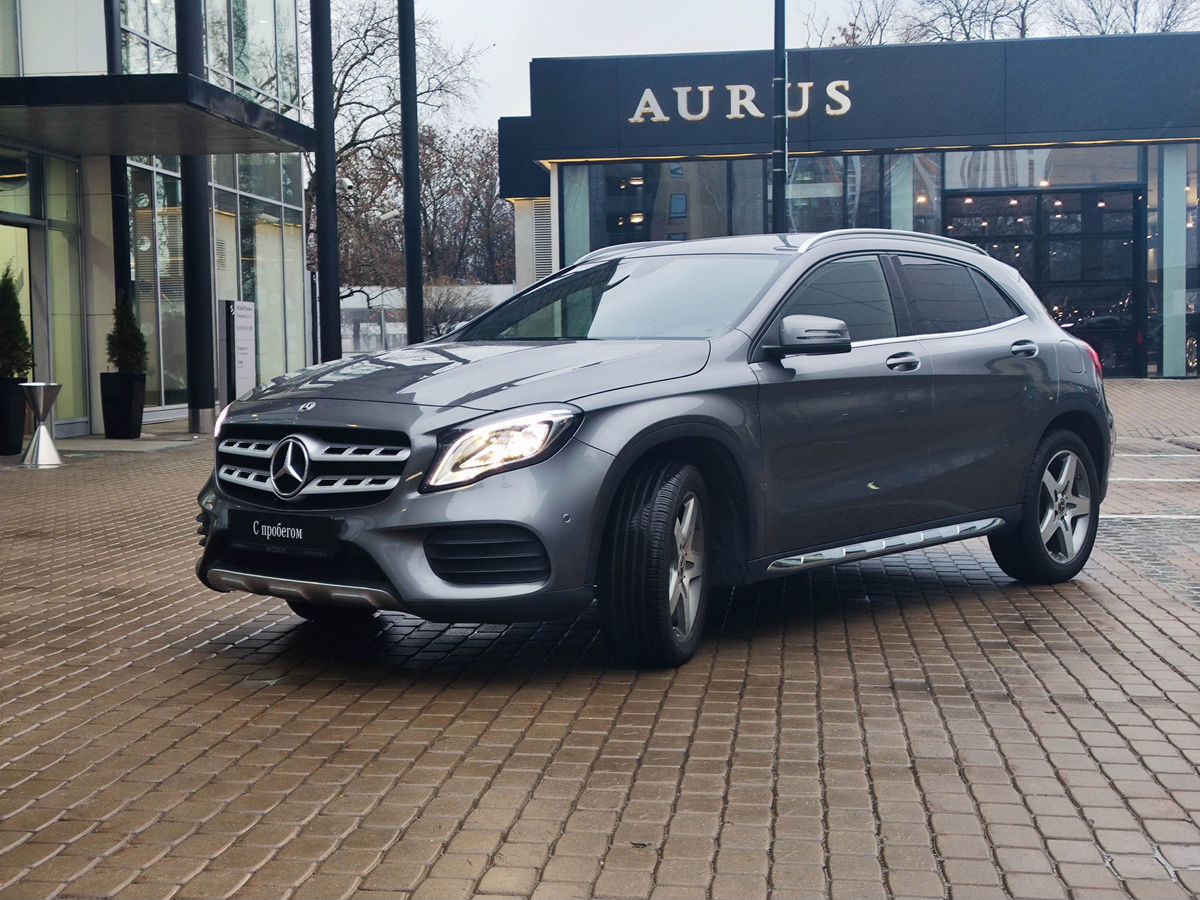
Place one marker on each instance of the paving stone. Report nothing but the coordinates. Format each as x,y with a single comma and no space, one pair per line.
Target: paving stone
913,726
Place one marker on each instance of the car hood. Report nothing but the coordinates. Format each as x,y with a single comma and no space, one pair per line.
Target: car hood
492,375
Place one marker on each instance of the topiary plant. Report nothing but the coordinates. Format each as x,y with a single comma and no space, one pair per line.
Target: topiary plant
126,344
16,353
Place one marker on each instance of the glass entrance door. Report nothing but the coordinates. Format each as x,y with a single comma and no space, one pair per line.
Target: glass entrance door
44,262
14,258
1079,249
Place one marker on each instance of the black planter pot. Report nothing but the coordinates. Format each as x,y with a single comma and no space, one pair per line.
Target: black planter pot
12,416
123,397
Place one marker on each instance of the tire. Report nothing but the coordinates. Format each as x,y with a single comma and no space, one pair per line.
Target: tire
1059,514
330,614
660,521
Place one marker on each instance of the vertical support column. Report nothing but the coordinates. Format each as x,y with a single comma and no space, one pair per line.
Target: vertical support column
197,241
414,288
779,216
1172,198
900,191
329,304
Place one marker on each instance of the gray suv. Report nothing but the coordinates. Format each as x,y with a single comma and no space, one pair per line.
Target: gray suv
660,421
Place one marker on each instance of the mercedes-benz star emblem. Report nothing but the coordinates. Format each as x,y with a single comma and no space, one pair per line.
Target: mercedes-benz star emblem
289,468
305,407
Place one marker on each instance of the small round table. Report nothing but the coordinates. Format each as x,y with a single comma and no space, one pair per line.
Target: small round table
41,452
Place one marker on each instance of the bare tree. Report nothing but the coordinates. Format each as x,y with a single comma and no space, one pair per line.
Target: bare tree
1125,16
869,22
466,227
366,95
448,305
967,20
817,28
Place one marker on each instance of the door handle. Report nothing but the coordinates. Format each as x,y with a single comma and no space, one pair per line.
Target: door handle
1024,349
903,362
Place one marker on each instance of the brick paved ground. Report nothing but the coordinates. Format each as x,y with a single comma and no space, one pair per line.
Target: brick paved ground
917,726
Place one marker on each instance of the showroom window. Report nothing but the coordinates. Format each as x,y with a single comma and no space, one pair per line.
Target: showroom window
258,252
148,36
156,270
253,50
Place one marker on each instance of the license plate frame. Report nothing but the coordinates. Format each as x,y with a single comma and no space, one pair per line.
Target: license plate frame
283,533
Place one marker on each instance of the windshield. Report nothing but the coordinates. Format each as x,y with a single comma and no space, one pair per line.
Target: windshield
686,296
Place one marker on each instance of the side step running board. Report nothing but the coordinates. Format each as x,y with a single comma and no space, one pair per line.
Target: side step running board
895,544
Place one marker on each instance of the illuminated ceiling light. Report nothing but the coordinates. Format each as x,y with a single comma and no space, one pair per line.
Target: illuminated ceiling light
1020,218
949,227
1014,202
1058,203
921,198
637,218
969,200
1101,204
637,181
1043,183
983,224
1058,215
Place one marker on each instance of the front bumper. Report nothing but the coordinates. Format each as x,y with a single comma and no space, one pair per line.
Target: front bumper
383,563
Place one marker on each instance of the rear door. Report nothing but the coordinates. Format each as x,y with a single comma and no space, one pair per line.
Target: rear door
993,378
845,436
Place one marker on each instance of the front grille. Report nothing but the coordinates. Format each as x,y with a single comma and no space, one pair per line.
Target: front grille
487,554
347,468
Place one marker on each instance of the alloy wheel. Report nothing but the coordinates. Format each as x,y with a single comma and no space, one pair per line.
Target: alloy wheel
686,573
1065,507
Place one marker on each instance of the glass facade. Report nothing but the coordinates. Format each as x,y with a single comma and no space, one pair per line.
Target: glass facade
1106,235
615,203
156,266
64,253
253,50
258,229
40,238
257,199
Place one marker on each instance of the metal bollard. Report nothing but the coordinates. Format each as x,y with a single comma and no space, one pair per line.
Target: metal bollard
41,452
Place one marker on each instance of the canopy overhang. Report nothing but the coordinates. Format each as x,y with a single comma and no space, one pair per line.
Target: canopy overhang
134,115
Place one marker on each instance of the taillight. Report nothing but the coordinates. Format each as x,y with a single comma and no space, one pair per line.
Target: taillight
1096,361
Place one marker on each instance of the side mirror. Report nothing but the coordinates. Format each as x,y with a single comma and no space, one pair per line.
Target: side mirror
810,334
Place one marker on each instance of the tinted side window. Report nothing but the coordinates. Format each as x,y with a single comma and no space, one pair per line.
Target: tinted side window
999,308
942,296
853,290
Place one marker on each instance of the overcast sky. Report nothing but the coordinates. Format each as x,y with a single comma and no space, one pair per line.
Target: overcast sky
512,32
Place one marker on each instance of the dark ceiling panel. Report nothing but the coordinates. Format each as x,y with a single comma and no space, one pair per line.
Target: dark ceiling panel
128,115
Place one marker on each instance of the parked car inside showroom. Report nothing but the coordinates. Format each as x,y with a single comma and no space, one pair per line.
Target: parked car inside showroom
661,421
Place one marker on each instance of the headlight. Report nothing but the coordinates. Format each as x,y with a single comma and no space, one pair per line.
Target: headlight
221,416
501,444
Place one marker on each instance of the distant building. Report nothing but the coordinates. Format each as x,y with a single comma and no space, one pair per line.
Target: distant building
1074,159
372,316
95,115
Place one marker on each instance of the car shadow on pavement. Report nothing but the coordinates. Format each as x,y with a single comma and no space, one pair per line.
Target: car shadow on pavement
400,650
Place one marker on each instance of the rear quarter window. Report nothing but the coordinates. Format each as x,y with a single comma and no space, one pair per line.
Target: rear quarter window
999,307
942,295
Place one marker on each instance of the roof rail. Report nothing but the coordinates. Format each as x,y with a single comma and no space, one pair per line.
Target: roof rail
887,232
615,249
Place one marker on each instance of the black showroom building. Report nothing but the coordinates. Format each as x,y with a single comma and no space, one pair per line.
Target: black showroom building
1073,159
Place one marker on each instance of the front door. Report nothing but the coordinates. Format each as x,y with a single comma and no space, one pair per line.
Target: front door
1078,249
845,437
